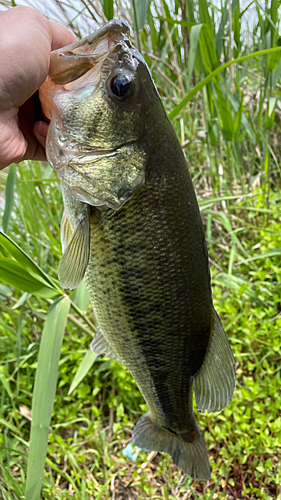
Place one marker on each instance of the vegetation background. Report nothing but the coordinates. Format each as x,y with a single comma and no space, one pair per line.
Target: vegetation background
229,129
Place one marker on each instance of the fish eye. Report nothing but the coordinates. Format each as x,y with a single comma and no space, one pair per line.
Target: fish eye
122,85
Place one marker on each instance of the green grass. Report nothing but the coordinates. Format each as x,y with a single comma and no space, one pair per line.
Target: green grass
230,137
92,425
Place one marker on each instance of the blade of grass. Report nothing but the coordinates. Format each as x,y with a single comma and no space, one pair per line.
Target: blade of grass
26,262
108,9
15,275
140,10
84,367
270,253
44,394
9,197
194,37
212,75
81,297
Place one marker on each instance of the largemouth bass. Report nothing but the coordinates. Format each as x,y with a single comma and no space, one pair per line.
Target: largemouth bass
132,229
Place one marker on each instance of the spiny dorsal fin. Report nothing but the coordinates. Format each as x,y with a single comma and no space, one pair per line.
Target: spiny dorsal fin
101,347
215,381
65,232
73,264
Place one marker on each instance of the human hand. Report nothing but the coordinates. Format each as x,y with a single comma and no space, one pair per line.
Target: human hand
27,38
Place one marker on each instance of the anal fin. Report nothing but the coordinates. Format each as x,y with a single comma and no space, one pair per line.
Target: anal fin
215,381
101,347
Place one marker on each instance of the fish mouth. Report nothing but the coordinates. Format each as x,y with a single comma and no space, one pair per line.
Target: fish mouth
71,62
80,65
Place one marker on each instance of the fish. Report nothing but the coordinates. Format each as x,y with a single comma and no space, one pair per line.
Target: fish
132,230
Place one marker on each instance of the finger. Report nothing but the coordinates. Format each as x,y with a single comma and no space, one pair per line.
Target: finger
60,36
40,130
38,154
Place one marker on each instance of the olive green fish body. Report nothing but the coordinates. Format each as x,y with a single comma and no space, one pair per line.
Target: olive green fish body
132,226
149,284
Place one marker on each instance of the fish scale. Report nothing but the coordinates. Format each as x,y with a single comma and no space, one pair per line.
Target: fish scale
132,229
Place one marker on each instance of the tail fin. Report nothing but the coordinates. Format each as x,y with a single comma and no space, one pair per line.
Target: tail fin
188,450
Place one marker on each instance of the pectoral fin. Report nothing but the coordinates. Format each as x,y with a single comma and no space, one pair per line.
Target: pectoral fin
215,381
76,247
65,232
100,346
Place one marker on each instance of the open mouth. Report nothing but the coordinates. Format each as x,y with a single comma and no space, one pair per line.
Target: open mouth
80,63
71,62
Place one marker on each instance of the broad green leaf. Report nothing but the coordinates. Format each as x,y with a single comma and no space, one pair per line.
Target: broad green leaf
140,9
108,9
273,61
44,395
81,297
12,273
274,10
194,37
208,50
26,262
212,76
190,10
236,26
84,367
270,113
205,16
9,197
224,113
